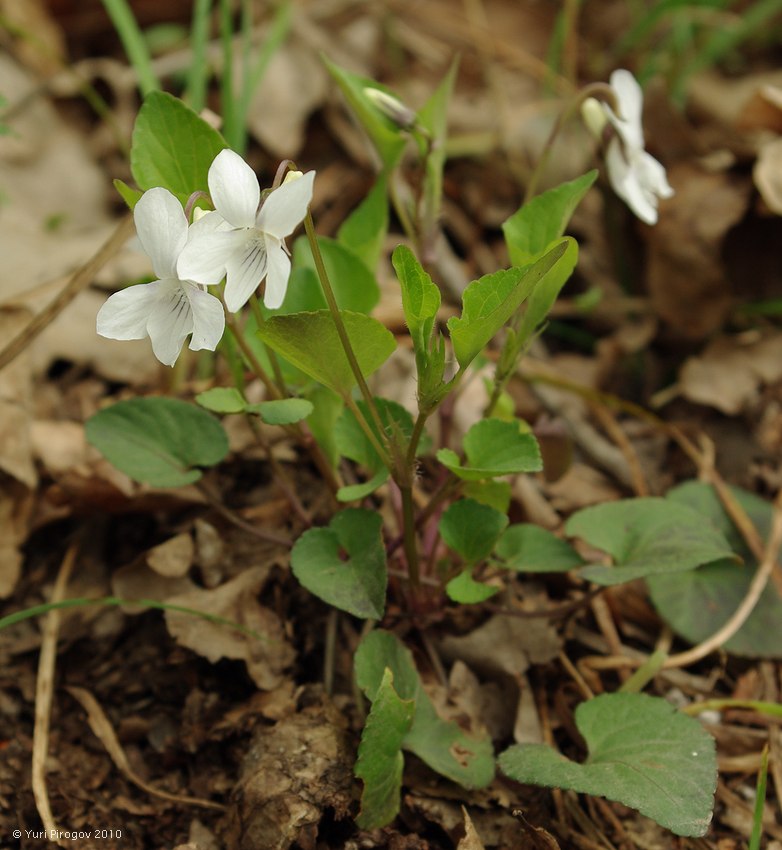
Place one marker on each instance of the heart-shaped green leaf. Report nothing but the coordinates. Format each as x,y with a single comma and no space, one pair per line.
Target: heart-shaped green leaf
471,529
529,548
282,411
364,231
172,147
494,447
159,441
642,753
345,564
310,341
465,590
647,536
445,747
698,602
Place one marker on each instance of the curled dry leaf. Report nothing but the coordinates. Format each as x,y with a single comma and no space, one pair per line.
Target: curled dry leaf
174,557
266,657
767,174
685,272
728,374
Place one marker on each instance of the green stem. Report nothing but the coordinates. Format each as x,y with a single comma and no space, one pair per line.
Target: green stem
367,429
226,77
415,437
602,90
408,537
255,306
342,332
199,69
249,354
133,41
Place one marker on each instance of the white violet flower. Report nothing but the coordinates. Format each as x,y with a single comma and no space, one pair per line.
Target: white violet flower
636,176
238,240
168,309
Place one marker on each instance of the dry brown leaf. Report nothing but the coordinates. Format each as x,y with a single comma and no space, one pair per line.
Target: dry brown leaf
763,111
266,657
504,645
579,487
685,272
767,175
59,445
174,557
471,840
138,581
728,374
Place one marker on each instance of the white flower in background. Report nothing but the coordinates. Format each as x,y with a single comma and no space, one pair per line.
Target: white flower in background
168,309
240,242
636,176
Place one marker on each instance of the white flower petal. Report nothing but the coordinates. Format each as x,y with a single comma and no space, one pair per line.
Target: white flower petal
277,274
162,229
652,175
630,96
205,257
234,189
125,314
284,209
208,318
170,322
627,185
245,270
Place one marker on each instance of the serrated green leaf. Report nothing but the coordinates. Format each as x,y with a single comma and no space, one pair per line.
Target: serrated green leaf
310,341
355,287
364,231
494,447
465,590
420,298
646,536
542,299
172,147
385,135
642,753
282,411
471,529
130,195
158,441
445,747
222,400
541,221
489,302
531,549
380,761
356,584
698,602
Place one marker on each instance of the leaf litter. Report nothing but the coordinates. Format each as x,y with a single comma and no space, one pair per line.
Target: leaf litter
201,710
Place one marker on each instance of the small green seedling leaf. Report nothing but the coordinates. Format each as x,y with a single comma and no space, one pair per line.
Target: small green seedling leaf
494,447
380,761
495,494
698,602
642,753
544,219
355,286
420,298
646,536
489,302
531,549
282,411
445,747
472,529
310,341
356,583
222,400
465,590
385,135
130,195
172,147
364,231
158,441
